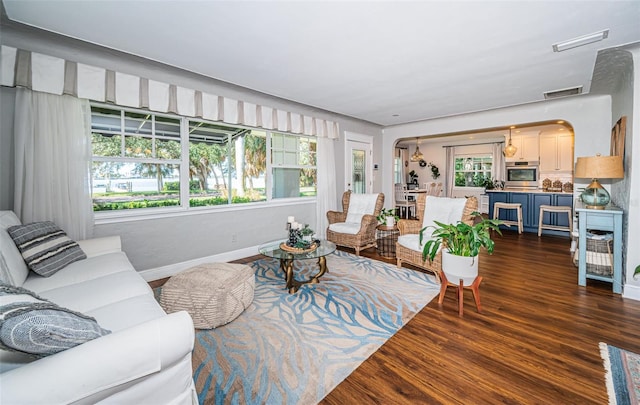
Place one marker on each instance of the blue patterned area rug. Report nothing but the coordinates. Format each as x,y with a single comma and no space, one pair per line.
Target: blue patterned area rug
622,374
295,348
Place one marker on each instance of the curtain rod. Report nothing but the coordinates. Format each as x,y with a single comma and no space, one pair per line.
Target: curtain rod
472,144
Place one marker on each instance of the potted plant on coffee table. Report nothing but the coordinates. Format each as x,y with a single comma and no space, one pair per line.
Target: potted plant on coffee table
461,244
388,217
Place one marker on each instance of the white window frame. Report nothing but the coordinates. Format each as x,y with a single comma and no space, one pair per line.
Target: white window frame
271,166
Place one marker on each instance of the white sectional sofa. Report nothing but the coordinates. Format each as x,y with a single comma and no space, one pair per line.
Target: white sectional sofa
146,359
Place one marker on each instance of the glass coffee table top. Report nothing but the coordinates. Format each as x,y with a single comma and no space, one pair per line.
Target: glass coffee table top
287,257
272,249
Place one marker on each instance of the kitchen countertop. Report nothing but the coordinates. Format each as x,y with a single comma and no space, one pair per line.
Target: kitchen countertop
527,190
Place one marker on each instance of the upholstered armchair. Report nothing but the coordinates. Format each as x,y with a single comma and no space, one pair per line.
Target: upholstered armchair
355,226
429,209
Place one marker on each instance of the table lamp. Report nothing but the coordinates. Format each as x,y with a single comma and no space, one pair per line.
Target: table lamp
598,167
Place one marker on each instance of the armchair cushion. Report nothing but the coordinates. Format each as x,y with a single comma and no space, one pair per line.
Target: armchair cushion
351,228
441,209
412,241
359,205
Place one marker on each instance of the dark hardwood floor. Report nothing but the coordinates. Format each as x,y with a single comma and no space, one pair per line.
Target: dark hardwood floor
535,342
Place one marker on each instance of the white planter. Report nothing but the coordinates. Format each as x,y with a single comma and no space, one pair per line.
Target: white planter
390,221
459,267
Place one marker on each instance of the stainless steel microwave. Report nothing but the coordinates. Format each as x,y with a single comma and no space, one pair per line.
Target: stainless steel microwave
522,174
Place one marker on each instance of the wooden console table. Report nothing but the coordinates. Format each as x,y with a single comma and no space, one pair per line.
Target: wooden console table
609,219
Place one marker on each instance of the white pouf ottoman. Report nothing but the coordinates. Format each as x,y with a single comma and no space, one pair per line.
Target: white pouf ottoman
214,294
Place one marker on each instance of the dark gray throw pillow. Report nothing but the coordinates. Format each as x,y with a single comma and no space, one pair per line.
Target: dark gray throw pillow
33,325
45,247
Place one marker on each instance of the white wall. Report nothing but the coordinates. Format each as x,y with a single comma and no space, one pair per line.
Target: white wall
625,193
632,174
159,242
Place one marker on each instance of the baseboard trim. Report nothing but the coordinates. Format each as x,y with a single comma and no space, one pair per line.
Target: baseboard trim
631,291
171,269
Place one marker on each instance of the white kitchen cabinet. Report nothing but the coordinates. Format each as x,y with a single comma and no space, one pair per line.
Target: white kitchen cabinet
556,153
527,148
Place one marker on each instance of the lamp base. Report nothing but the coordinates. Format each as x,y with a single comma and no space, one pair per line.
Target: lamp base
595,196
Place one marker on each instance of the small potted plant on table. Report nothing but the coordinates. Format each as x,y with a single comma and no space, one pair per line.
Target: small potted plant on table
388,217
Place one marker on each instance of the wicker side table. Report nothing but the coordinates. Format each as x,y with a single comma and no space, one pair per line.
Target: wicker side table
386,238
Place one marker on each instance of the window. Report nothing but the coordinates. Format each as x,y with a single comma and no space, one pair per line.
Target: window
149,160
136,160
472,170
227,165
293,161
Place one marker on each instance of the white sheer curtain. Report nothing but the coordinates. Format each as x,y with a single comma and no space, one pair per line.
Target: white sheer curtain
450,152
498,161
52,158
404,156
326,197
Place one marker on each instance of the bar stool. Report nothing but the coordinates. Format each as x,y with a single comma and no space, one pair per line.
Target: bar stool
509,206
562,209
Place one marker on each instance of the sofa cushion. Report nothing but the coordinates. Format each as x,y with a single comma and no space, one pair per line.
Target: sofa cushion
80,271
45,247
7,219
127,313
13,269
33,325
91,294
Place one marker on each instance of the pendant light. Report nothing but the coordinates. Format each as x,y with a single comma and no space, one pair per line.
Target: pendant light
510,150
417,155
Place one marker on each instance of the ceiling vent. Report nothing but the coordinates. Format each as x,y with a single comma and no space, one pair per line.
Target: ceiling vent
571,91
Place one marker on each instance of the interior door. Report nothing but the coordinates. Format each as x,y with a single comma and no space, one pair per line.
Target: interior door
358,166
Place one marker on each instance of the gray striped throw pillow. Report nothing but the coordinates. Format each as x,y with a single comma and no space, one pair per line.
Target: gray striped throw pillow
33,325
45,247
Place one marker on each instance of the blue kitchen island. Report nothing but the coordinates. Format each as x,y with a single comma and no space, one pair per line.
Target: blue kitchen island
531,200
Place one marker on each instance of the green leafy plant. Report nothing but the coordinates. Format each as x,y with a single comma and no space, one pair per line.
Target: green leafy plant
487,182
461,239
306,231
636,271
384,213
435,172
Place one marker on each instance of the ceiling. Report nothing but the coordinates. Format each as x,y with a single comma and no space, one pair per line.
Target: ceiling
386,62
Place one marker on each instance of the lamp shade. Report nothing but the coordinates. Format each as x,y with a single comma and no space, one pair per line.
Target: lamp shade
510,150
599,167
417,155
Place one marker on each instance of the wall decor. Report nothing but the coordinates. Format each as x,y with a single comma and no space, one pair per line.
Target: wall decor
618,137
